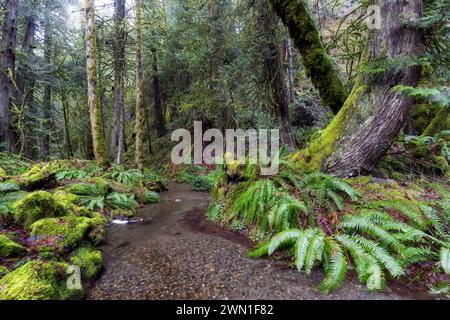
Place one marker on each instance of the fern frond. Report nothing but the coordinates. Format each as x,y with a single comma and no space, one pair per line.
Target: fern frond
283,238
337,266
375,279
314,251
301,246
444,259
337,199
406,208
259,251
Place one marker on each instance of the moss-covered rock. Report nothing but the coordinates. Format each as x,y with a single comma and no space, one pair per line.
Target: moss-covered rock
38,280
69,231
37,205
68,200
151,197
88,260
89,187
9,248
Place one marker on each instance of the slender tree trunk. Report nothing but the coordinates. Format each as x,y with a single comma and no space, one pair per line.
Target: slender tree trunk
159,116
8,58
318,66
139,106
119,67
98,140
373,115
47,99
289,74
66,126
148,131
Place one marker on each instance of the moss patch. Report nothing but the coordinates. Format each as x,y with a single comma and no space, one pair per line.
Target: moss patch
151,197
3,271
70,230
37,205
9,248
91,187
37,280
89,260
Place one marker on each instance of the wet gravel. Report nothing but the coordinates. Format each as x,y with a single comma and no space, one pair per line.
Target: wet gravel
181,256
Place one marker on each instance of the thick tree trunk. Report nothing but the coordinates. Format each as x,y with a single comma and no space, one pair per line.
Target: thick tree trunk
47,99
318,66
278,92
8,59
139,106
373,115
119,66
159,116
98,140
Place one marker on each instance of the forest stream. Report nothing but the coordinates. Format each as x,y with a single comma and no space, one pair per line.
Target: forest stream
177,254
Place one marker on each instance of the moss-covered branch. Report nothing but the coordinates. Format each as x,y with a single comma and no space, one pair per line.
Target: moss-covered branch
318,65
440,122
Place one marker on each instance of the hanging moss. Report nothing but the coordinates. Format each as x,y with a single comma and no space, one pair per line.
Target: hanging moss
318,64
38,280
323,142
37,205
88,259
69,231
9,248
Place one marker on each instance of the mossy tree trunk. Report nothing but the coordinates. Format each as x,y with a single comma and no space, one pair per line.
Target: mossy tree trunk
316,61
47,99
7,64
439,123
98,139
373,115
139,106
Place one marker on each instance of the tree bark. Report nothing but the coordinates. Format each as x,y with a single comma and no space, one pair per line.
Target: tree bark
8,59
119,66
373,115
98,140
318,65
47,99
159,116
139,106
66,126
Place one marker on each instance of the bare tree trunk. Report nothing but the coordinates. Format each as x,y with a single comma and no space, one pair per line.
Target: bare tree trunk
47,99
159,116
318,66
119,66
8,59
373,115
98,140
139,107
289,74
66,126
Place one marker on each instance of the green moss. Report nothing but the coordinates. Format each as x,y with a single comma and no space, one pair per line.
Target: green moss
9,248
8,201
323,143
9,186
318,65
37,280
152,197
69,231
67,200
2,172
89,260
121,212
90,187
37,205
3,271
35,178
440,122
98,232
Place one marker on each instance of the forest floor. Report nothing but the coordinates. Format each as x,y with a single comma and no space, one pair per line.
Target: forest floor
181,255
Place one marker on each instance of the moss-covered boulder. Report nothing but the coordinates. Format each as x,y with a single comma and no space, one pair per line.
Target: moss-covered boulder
8,201
98,232
151,197
38,280
88,259
37,205
68,201
67,231
36,178
89,187
9,248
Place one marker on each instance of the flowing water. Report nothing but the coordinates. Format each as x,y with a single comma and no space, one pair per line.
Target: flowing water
172,252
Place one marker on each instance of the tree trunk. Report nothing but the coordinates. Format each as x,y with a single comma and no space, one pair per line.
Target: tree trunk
318,66
373,115
8,58
66,126
289,74
139,109
159,116
98,140
24,76
47,99
119,66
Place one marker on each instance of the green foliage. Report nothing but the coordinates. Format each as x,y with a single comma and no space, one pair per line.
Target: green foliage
8,201
152,197
88,260
120,174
